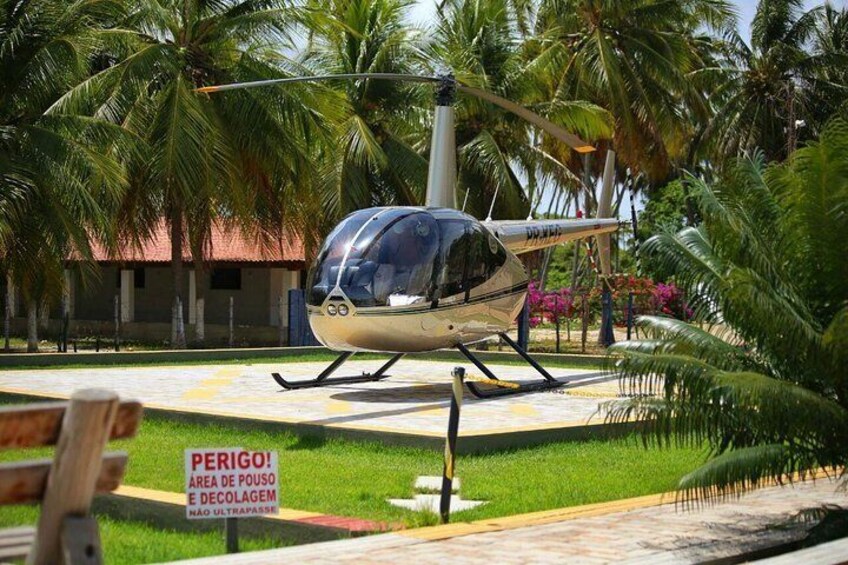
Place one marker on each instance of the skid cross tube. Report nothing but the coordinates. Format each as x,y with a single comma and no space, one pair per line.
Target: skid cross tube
323,380
549,382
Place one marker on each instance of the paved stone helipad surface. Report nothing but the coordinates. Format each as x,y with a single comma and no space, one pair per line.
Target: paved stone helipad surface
641,531
414,400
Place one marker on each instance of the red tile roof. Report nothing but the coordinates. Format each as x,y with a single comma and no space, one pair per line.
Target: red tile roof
228,244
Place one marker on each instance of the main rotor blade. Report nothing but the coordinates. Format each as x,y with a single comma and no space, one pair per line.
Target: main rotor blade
256,83
568,138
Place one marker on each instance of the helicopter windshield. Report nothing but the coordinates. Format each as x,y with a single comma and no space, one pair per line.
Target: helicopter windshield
387,259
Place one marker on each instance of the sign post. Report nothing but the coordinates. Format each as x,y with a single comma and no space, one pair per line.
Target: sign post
450,444
230,483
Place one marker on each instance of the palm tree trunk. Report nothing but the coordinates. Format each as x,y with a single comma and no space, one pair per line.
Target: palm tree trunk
32,326
792,141
177,329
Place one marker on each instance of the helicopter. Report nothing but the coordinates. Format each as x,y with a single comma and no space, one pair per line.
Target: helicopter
409,279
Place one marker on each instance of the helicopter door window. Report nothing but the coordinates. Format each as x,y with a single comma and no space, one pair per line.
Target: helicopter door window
478,270
453,259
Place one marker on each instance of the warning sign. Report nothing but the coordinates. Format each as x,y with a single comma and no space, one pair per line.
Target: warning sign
229,483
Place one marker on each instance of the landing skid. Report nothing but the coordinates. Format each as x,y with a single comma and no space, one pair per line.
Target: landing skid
324,380
507,389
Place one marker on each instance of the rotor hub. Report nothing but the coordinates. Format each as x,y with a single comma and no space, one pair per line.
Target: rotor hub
446,90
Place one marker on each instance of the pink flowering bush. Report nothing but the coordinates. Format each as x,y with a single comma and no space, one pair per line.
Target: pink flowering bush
551,306
649,297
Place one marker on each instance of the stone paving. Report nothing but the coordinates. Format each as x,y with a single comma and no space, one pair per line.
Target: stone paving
414,400
619,532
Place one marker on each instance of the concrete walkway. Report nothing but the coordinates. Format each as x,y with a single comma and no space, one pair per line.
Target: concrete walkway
642,530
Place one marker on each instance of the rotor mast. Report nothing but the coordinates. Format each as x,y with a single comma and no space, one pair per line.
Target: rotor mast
441,176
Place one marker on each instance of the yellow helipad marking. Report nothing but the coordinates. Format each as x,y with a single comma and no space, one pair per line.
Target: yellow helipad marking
210,387
201,394
338,407
216,381
179,499
433,412
523,410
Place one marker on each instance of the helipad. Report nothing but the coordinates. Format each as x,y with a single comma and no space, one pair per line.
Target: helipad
410,407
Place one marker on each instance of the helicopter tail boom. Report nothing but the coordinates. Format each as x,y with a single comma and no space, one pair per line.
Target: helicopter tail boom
522,236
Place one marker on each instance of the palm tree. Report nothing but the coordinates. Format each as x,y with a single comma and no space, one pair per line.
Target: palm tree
636,59
58,177
776,91
239,157
481,42
765,385
375,161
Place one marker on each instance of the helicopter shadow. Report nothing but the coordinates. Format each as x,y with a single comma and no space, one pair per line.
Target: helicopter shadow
436,392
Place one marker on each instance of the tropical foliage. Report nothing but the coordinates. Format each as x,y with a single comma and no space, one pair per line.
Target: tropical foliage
763,382
243,157
783,86
59,180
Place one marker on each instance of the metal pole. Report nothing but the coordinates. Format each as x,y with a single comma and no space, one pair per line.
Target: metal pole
7,324
450,444
231,322
556,309
281,311
231,533
524,326
585,325
629,315
117,323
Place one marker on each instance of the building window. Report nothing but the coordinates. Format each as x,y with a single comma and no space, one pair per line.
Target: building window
225,279
138,277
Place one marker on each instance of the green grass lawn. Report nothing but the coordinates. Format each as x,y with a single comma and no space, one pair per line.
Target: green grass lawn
354,479
128,542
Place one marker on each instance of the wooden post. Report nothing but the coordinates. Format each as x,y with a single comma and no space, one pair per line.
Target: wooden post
117,323
76,465
231,322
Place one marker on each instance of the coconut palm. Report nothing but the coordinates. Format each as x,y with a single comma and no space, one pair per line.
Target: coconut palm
375,161
775,92
242,156
58,179
481,42
636,58
765,388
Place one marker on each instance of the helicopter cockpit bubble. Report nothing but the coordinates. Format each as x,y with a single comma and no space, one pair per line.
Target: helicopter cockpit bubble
378,257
